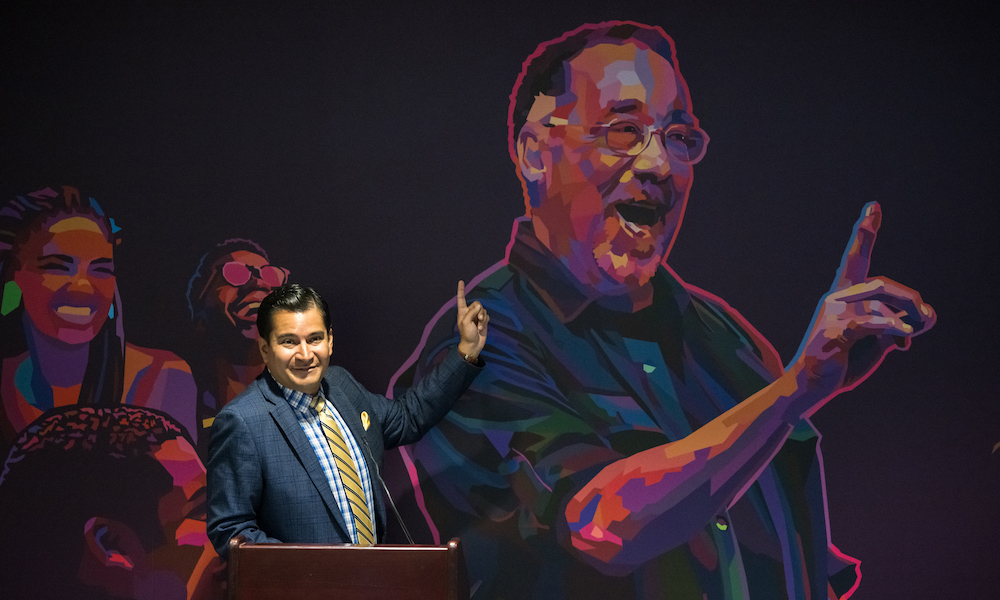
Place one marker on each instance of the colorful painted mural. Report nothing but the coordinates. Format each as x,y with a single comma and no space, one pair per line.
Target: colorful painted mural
223,296
634,436
164,166
105,502
63,334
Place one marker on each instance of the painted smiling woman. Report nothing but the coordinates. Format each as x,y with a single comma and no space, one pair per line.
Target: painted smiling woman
60,318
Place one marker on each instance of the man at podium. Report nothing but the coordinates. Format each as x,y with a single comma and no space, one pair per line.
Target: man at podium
292,457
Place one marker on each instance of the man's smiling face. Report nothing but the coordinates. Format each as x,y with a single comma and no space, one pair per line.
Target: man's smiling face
298,351
610,216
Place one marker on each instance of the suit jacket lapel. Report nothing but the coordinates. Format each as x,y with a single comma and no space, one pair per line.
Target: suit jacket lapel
299,444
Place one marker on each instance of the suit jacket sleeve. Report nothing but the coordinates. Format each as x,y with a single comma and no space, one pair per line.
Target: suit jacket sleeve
416,411
235,483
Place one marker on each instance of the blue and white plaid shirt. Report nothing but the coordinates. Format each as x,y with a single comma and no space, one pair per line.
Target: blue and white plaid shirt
303,407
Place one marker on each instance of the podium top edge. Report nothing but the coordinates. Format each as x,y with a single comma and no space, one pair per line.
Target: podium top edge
303,546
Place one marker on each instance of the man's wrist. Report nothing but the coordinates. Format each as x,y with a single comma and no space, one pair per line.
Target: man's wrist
792,396
469,356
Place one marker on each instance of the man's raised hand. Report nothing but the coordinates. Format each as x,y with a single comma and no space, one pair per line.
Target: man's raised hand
472,326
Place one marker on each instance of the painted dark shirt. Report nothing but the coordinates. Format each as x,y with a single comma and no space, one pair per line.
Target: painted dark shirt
573,385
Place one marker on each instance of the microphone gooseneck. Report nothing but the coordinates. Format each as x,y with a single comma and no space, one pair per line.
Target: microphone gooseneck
378,474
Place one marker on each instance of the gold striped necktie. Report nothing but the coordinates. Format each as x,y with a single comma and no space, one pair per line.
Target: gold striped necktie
348,474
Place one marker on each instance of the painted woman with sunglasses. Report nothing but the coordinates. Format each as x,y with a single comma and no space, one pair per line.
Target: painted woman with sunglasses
60,318
223,296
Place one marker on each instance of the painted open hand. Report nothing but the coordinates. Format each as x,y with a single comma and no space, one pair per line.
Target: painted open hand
858,322
472,325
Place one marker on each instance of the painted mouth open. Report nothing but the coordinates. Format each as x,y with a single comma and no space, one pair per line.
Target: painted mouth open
75,314
250,310
641,214
247,306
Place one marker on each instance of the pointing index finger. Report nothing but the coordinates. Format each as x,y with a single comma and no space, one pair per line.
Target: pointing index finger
462,306
858,256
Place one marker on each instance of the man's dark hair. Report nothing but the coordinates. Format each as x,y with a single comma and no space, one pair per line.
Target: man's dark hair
544,71
71,464
204,272
291,297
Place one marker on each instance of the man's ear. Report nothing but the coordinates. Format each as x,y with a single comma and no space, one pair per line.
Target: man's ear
112,551
529,155
265,350
110,542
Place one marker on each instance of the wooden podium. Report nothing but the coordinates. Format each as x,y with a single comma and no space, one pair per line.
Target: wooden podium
343,571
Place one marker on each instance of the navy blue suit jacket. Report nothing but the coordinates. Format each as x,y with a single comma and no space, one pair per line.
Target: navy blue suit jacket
264,480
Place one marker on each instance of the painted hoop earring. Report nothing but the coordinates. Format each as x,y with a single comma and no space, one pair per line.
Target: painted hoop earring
11,298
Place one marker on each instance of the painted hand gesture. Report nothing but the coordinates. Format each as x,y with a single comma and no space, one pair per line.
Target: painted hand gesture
858,322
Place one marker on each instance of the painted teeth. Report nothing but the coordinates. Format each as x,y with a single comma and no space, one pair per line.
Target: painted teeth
80,311
628,224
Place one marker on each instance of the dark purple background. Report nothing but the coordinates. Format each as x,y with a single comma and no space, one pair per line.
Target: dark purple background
365,148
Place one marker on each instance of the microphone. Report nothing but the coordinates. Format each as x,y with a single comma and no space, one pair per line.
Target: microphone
378,474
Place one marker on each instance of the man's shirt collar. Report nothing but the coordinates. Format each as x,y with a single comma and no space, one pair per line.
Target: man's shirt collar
300,401
550,279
